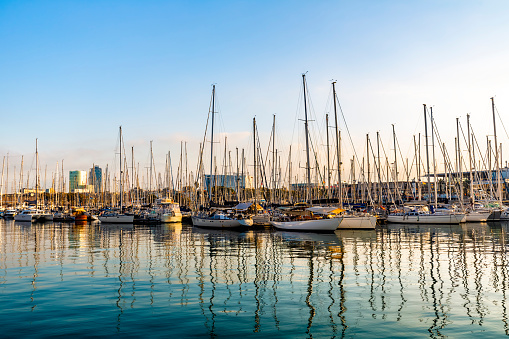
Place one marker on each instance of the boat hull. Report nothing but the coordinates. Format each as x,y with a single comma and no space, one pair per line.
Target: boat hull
320,225
218,223
477,216
117,219
358,222
427,219
25,217
171,217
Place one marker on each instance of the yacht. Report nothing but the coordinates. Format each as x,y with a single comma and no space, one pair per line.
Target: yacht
168,210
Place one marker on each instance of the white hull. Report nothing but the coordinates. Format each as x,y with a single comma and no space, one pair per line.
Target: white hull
427,218
220,223
25,217
261,219
360,222
117,219
170,217
319,225
477,216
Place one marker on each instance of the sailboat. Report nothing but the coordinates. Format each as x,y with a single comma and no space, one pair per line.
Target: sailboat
31,215
113,216
414,213
317,220
218,218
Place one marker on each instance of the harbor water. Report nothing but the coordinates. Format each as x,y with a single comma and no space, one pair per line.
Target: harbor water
398,281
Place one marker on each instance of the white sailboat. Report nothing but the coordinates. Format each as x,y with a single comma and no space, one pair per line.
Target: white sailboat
420,214
113,216
218,219
318,218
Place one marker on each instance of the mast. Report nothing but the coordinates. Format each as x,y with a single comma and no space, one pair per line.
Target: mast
499,191
290,175
396,190
427,151
460,170
380,188
308,164
338,146
120,156
36,176
419,169
433,152
368,182
254,158
328,155
212,142
273,158
470,161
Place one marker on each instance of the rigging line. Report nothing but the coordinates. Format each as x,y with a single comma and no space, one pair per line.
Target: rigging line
402,160
353,147
387,179
316,161
500,118
444,151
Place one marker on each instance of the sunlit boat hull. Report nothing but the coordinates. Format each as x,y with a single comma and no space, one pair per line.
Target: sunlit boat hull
171,217
477,216
358,222
319,225
220,223
455,218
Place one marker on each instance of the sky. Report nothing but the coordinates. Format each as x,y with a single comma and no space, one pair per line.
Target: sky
72,72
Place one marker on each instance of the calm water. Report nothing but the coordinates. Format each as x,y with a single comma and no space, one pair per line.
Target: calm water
400,281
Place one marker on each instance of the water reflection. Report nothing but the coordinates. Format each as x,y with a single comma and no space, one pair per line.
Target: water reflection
427,280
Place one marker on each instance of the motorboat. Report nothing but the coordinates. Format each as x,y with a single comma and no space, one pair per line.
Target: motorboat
168,210
28,215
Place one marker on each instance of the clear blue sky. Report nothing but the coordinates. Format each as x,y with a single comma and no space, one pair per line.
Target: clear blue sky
71,72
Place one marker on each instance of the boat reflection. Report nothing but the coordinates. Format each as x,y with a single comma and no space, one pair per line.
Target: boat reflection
428,278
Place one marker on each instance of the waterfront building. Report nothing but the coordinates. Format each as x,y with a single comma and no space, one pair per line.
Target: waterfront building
230,181
77,181
95,177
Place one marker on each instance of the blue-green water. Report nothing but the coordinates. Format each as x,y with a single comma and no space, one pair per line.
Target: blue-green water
399,281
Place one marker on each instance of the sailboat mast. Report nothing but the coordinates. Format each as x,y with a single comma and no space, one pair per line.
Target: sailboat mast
460,170
212,141
499,191
470,161
433,153
36,175
308,164
396,190
328,155
273,158
338,146
120,156
427,151
254,161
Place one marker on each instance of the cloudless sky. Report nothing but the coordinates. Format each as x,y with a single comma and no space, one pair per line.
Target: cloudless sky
71,72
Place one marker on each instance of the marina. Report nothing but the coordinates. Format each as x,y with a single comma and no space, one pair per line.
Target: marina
230,169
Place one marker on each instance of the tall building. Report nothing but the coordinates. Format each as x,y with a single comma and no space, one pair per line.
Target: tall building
95,178
77,181
230,181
